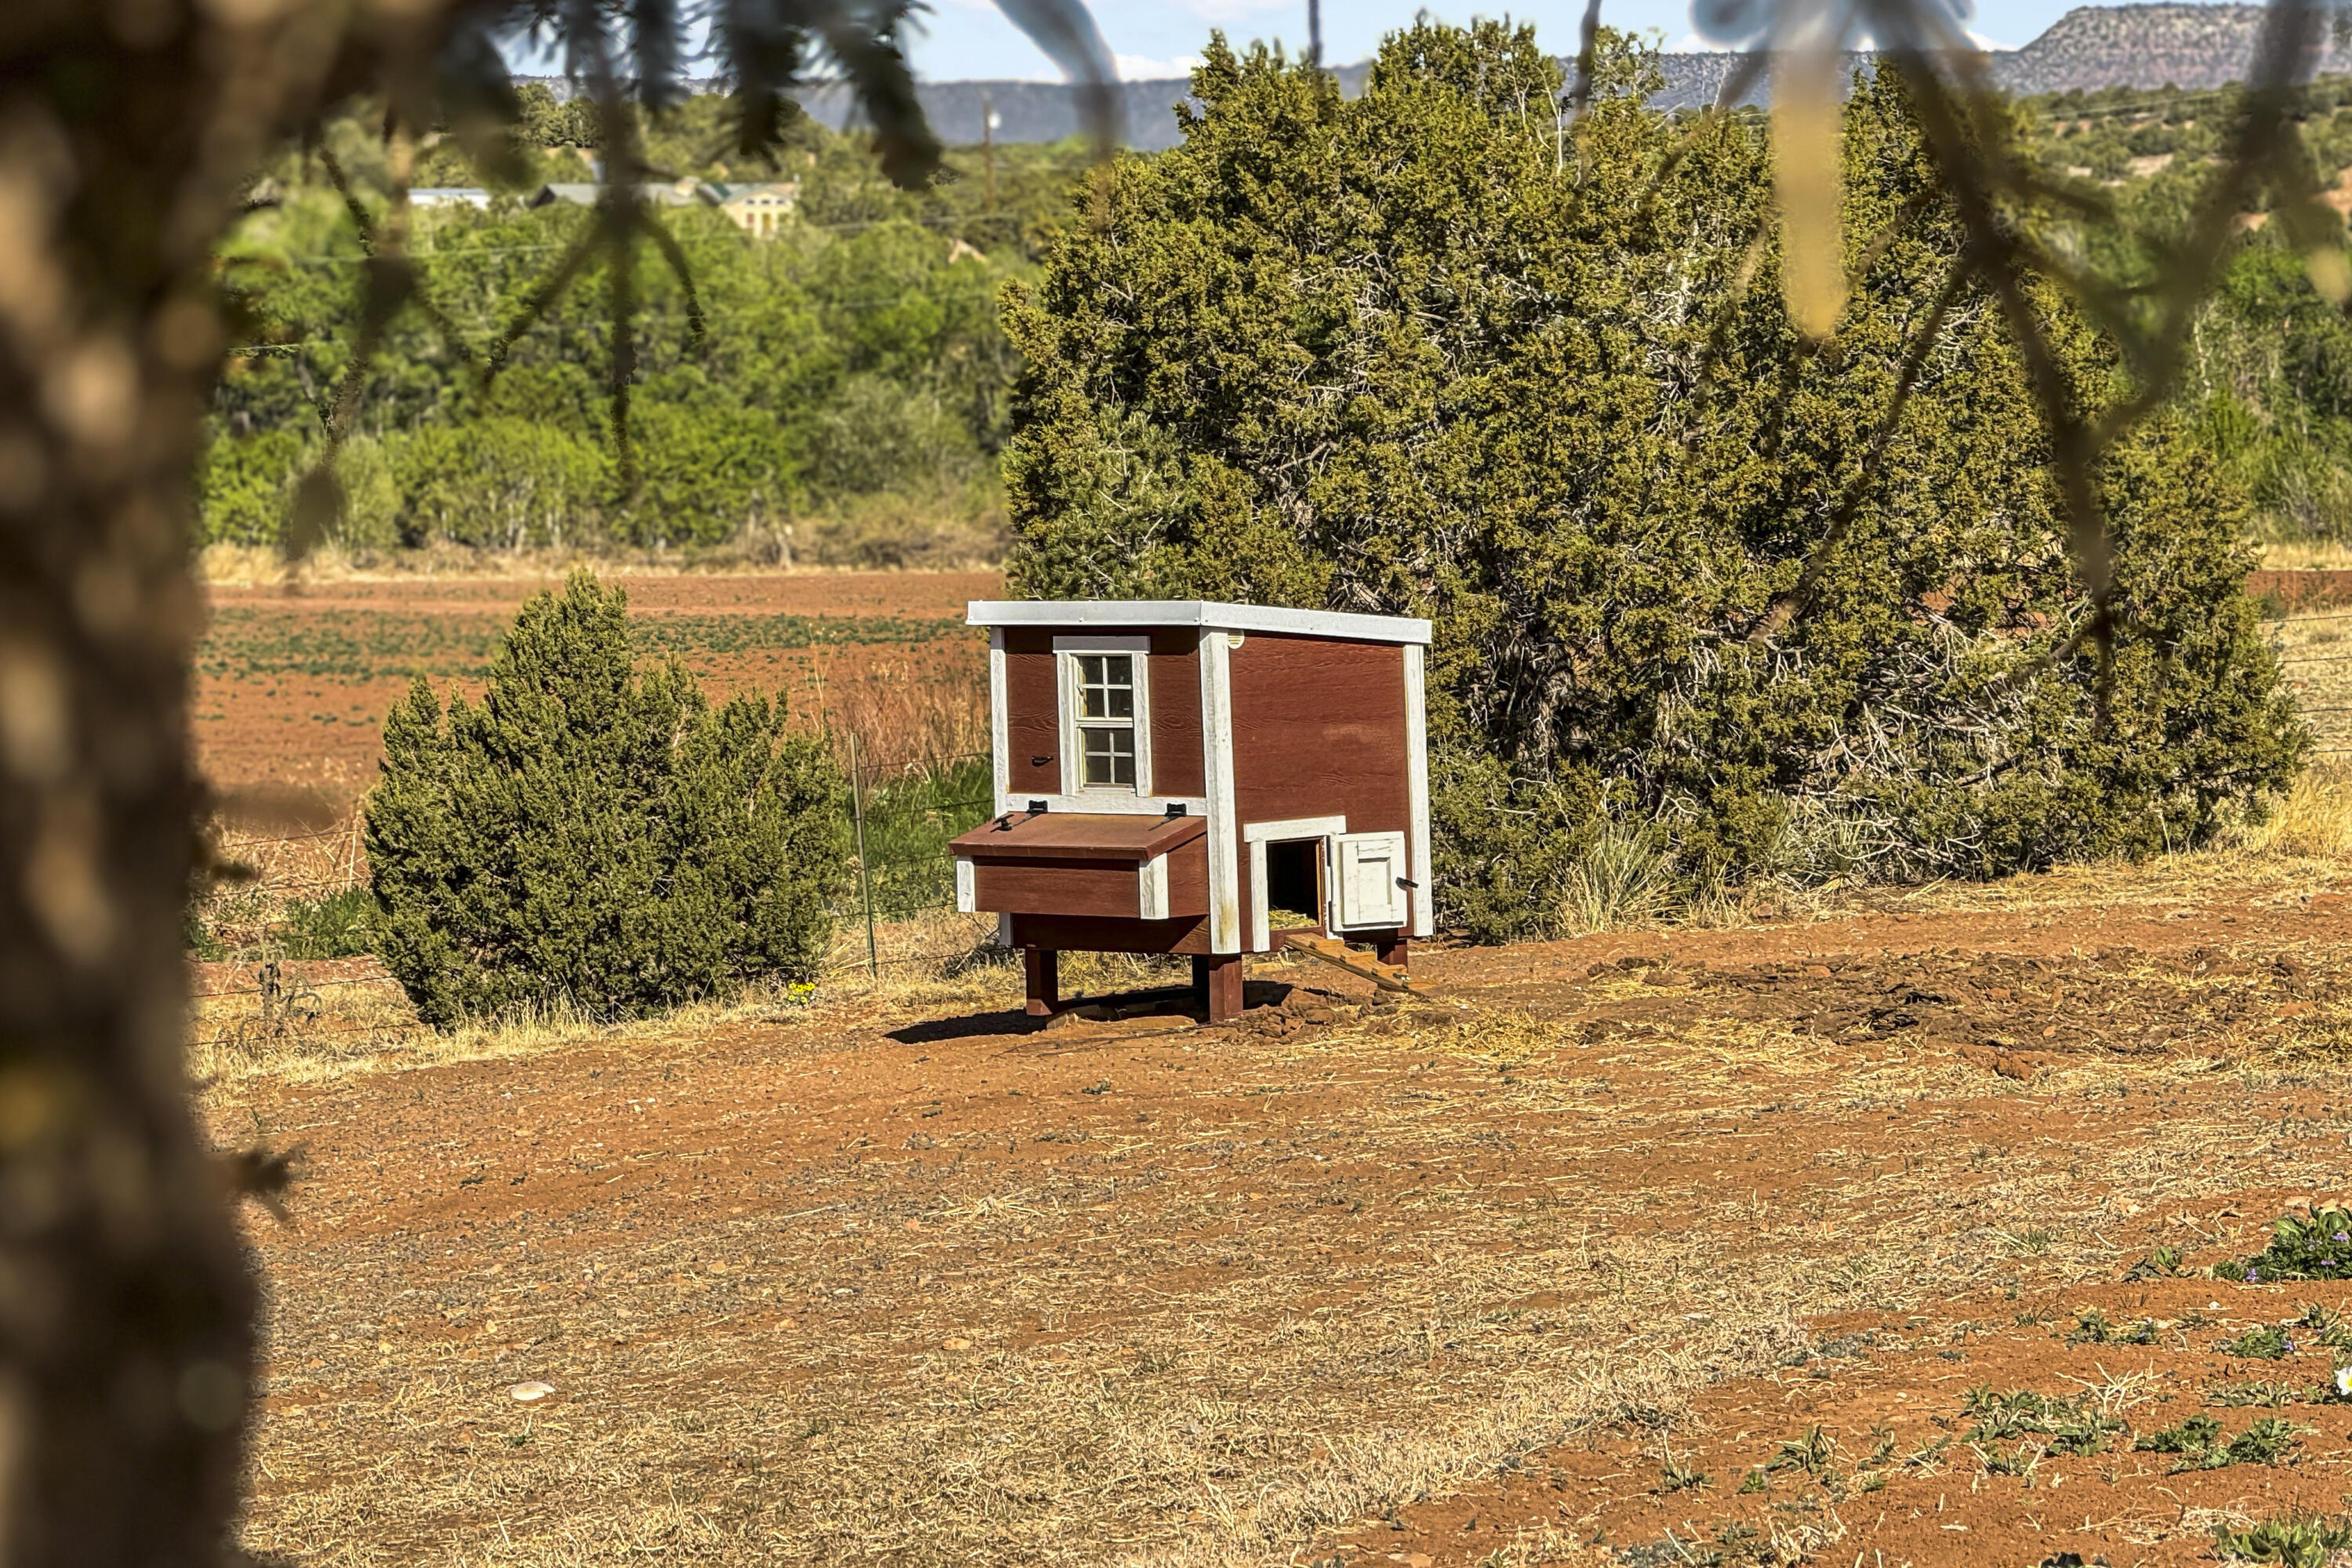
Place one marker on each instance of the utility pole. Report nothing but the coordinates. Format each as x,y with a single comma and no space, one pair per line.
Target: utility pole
1315,33
987,146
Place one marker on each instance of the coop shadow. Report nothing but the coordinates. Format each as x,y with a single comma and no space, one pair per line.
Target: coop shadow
1172,1001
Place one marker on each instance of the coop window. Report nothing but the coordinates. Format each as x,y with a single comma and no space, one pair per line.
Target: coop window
1104,726
1107,720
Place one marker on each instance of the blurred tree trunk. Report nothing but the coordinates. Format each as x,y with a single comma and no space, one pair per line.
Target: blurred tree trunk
127,1339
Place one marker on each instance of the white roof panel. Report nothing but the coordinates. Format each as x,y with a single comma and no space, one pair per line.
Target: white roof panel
1202,613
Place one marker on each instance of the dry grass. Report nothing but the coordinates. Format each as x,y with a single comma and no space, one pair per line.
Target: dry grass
1348,1273
329,1019
2306,555
908,715
2314,822
859,539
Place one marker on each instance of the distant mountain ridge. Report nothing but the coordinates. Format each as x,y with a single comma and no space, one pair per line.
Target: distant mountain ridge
2089,48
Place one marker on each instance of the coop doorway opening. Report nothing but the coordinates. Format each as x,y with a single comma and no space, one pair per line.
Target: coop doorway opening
1294,885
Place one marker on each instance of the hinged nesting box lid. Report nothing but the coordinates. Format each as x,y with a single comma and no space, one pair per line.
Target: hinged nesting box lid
1078,836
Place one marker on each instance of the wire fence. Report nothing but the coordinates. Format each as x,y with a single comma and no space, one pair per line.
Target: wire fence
902,810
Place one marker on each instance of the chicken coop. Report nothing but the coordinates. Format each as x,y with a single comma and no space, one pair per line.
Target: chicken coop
1197,778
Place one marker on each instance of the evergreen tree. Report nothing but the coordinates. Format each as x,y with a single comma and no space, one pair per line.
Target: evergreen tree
595,835
1415,353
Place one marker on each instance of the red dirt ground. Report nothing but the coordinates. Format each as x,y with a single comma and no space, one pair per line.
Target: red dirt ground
1938,1137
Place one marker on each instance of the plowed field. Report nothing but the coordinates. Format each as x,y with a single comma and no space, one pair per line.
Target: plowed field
292,688
1833,1242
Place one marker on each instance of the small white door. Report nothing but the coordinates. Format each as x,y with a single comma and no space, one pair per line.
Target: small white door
1367,879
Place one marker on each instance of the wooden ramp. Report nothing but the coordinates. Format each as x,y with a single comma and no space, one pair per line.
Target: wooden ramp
1340,955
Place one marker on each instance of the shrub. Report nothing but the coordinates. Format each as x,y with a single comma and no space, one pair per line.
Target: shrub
243,484
1390,353
594,836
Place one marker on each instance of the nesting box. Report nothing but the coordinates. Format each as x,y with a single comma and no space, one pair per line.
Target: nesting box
1187,777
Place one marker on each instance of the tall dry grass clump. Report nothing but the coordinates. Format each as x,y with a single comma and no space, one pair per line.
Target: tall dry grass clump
904,713
2313,820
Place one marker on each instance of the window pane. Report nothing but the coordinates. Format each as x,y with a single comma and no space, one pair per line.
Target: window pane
1109,758
1106,686
1118,672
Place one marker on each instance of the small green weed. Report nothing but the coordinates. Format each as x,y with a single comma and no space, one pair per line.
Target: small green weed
2317,1247
1928,1457
1811,1453
2272,1394
1678,1478
2092,1328
2163,1263
2326,1328
2198,1442
2072,1426
1754,1481
2265,1343
2296,1541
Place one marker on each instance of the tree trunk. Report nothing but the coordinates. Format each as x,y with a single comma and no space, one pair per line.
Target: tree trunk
127,1344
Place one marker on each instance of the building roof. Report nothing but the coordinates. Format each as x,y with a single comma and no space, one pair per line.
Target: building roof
729,191
664,193
1098,614
1078,836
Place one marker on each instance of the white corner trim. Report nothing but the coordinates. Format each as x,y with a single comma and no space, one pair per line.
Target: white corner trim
997,722
1207,615
966,899
1065,688
1152,888
1217,736
1416,757
1261,931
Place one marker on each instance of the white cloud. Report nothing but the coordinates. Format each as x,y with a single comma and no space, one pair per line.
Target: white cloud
1141,67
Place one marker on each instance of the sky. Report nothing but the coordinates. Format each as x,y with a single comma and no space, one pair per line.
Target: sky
970,39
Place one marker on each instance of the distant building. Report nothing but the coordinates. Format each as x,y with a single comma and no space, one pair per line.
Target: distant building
758,210
660,193
450,196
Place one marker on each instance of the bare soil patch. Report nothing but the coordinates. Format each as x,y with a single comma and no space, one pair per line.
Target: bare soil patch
912,1281
293,683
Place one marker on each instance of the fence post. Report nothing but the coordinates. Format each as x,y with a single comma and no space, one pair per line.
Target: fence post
865,878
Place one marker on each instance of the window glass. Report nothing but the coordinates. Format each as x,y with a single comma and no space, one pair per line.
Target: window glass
1106,686
1109,758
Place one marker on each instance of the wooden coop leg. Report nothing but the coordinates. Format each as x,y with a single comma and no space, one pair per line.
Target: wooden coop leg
1394,949
1217,983
1044,970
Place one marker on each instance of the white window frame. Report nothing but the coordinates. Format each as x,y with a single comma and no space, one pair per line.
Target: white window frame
1067,650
